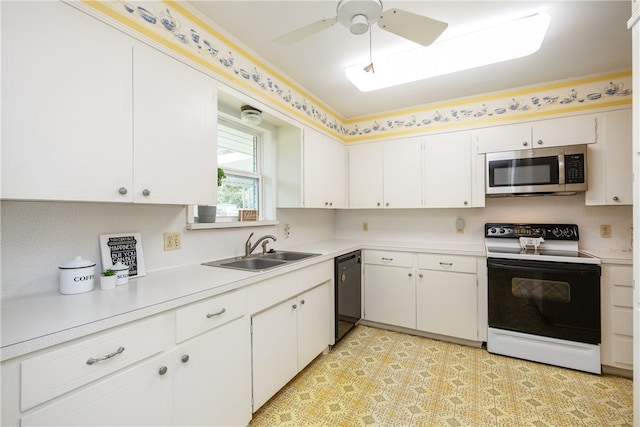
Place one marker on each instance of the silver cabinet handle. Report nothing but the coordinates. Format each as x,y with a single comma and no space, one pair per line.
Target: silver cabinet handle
387,204
421,275
525,143
387,259
446,264
301,301
210,315
615,198
540,142
378,204
146,192
163,370
185,358
294,306
466,202
92,360
410,274
122,190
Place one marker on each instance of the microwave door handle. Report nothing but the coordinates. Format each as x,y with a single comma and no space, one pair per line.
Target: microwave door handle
561,179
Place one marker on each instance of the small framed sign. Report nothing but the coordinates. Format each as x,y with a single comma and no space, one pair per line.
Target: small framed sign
247,215
123,247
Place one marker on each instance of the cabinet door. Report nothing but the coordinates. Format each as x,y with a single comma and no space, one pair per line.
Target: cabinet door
402,173
174,131
313,324
212,377
135,396
564,131
610,165
504,138
275,350
447,171
324,172
66,88
366,176
447,304
389,295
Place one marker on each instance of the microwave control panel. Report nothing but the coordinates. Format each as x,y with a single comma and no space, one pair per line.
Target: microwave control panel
574,169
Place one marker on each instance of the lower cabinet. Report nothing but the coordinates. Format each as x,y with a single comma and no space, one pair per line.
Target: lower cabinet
190,366
616,349
433,293
286,338
447,296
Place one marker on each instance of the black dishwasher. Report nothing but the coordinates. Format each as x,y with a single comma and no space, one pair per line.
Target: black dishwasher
348,295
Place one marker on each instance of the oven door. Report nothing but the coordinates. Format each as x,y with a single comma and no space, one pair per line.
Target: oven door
551,299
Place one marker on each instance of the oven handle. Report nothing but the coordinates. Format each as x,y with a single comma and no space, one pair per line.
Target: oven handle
543,266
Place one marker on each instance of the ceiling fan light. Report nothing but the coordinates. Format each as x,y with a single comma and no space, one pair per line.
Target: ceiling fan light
359,25
250,115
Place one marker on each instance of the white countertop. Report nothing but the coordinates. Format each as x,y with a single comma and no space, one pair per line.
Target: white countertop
34,322
612,256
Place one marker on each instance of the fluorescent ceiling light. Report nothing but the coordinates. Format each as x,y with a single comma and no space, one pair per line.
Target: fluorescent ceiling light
511,40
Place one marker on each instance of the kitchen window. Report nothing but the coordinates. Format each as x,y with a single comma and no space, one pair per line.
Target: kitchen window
240,156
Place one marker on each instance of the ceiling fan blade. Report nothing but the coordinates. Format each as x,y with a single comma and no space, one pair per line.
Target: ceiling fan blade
306,31
417,28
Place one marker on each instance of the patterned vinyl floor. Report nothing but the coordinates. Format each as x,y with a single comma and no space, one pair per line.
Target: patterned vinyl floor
381,378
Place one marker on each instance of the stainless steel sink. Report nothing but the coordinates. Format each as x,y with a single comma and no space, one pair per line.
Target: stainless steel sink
261,262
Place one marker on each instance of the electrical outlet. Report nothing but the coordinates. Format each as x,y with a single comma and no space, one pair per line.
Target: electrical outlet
172,240
365,226
287,231
605,231
460,226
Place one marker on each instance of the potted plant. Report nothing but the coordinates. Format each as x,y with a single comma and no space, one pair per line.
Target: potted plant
108,279
208,213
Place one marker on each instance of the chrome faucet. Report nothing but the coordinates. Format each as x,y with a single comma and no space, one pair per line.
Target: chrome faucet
248,248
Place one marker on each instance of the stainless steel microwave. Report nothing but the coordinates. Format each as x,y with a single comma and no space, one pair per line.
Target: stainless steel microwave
538,171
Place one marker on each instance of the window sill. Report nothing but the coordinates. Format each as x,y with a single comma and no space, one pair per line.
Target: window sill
230,224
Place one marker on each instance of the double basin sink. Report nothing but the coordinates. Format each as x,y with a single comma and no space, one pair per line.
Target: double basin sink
261,262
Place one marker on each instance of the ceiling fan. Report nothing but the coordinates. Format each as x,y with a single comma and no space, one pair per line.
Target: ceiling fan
359,15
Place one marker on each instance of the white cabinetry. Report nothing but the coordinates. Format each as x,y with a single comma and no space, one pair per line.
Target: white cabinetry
311,171
402,171
610,162
366,176
390,288
108,119
453,172
286,338
616,349
67,134
136,374
437,294
174,132
447,296
325,169
540,134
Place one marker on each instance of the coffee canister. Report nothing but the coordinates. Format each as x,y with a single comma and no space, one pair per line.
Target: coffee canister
77,276
122,273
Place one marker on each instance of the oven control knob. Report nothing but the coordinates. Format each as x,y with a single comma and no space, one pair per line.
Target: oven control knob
557,232
567,232
539,232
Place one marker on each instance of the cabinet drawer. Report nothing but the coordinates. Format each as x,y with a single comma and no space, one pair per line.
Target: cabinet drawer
59,371
461,264
396,259
200,317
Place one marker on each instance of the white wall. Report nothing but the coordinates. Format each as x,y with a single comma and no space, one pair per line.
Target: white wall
438,225
38,237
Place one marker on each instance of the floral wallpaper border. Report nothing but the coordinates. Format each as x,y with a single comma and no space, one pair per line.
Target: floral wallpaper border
174,26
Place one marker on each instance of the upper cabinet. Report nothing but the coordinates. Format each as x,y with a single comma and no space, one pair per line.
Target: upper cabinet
440,171
453,172
100,117
544,133
67,135
610,163
174,131
312,169
366,176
